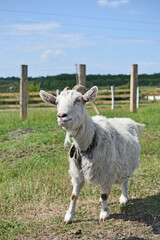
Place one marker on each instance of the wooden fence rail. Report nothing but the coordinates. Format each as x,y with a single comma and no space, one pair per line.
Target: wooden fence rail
13,98
109,98
104,98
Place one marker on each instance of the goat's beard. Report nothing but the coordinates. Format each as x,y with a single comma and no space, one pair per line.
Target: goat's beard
73,125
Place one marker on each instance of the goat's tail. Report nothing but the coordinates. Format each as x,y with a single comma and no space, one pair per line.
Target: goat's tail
140,127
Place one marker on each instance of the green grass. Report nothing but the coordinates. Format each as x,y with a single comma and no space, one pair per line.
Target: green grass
34,181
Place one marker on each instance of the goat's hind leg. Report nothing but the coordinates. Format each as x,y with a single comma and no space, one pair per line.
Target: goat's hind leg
70,214
104,214
123,198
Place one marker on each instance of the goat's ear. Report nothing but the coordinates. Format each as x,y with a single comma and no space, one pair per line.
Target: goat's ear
48,98
90,95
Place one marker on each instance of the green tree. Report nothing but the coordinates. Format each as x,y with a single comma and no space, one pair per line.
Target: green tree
34,87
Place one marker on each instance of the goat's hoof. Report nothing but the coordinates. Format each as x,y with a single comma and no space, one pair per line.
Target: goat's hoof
68,218
68,222
104,215
123,199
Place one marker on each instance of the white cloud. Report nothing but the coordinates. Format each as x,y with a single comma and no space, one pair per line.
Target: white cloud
112,3
21,29
51,43
36,26
45,54
59,52
64,40
130,40
134,12
147,64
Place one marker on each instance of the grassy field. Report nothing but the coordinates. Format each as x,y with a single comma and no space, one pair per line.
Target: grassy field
35,185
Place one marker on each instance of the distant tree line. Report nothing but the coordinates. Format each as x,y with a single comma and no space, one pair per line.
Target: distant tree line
11,84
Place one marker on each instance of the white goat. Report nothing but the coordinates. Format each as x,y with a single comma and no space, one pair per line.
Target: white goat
104,151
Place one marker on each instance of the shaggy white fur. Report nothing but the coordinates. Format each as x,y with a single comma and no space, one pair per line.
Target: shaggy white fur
104,151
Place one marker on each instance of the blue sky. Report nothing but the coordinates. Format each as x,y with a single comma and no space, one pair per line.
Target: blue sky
52,36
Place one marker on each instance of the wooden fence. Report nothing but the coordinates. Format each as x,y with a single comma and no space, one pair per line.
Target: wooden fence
149,96
12,100
120,98
110,98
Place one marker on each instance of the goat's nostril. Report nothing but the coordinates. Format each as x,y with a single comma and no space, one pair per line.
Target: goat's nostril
61,115
64,115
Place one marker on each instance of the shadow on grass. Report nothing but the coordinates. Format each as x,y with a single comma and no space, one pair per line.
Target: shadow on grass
145,210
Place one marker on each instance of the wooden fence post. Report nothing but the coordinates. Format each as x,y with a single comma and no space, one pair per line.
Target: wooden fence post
137,97
112,94
77,81
24,92
82,74
82,81
133,87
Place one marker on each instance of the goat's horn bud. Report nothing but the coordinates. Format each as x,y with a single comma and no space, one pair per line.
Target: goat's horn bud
80,88
66,88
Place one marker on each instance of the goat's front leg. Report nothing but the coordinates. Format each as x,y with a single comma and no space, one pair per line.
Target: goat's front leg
105,190
75,194
123,198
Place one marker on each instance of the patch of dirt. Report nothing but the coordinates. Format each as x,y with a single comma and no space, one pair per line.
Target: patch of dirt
40,212
128,223
21,133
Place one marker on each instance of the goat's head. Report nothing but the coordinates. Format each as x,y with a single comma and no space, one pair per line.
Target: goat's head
70,104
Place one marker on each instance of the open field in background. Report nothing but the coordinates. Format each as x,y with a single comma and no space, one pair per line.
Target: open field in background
35,185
